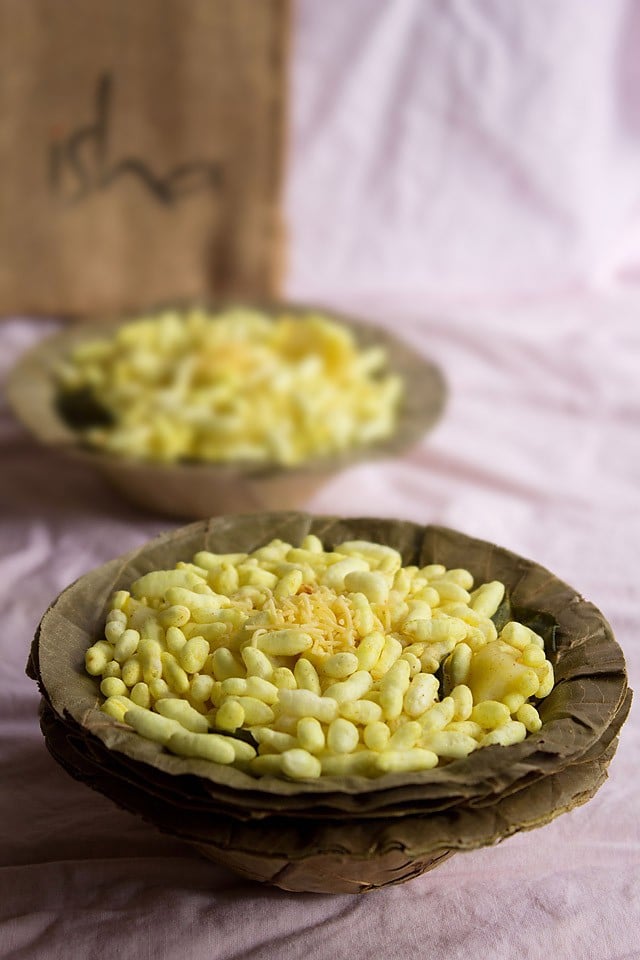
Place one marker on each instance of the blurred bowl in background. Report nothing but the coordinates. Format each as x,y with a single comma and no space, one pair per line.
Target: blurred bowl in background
202,489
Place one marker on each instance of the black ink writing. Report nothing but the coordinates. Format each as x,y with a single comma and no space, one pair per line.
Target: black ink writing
80,164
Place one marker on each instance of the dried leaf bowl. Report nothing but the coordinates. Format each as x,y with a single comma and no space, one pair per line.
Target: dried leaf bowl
203,489
349,834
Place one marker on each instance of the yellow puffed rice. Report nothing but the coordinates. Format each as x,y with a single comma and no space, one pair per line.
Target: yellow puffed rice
327,659
238,386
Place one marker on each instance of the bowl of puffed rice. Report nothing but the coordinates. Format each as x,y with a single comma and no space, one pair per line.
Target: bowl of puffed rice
197,410
328,704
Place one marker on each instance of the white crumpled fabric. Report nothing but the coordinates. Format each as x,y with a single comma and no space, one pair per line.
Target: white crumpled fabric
466,150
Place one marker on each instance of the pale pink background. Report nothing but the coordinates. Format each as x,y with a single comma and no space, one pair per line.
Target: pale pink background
467,174
464,151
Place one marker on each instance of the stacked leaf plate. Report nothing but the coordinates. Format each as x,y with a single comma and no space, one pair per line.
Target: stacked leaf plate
342,834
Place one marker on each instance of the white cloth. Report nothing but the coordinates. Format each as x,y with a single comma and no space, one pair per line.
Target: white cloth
463,151
538,450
